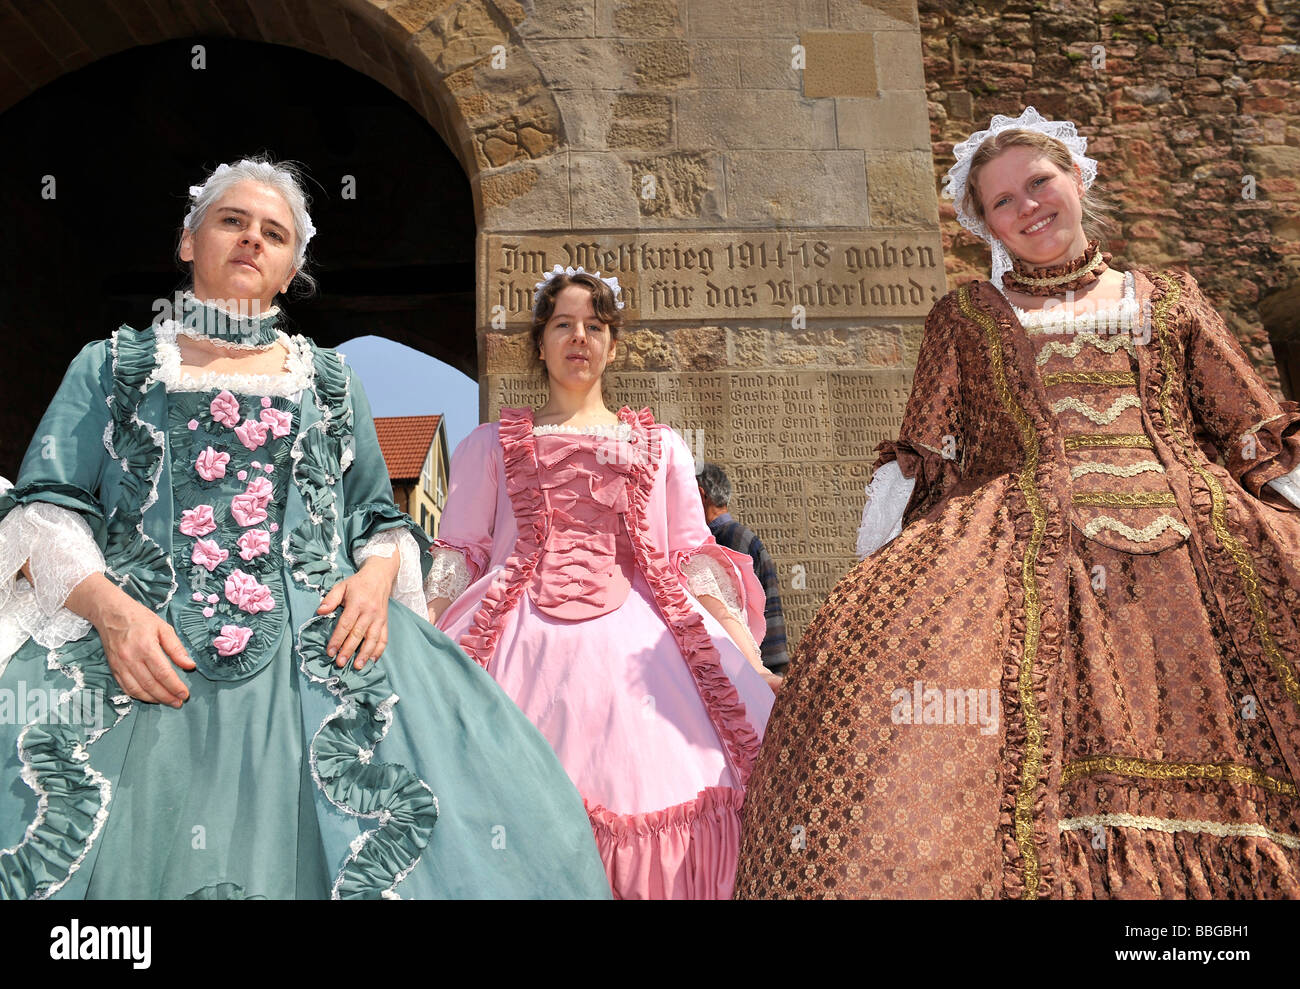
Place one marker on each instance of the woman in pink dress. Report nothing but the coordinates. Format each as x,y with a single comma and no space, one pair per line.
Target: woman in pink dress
575,565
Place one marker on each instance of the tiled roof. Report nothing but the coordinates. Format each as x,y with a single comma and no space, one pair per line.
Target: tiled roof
405,442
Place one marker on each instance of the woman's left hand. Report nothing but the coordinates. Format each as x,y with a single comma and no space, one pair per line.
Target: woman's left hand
364,622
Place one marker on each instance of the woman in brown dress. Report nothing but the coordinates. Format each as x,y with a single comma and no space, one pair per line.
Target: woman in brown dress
1074,672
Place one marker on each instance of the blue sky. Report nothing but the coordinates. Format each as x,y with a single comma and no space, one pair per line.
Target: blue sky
401,381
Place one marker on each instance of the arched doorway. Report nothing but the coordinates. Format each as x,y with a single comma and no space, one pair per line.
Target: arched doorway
94,179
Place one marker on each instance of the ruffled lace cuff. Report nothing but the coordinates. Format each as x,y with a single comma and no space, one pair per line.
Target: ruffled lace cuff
882,516
706,575
407,587
1288,486
448,576
62,553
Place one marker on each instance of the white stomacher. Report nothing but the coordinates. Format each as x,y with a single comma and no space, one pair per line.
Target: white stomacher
707,575
407,588
1288,486
882,515
448,576
62,553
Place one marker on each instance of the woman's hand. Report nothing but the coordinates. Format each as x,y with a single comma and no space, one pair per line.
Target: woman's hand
436,608
364,622
140,646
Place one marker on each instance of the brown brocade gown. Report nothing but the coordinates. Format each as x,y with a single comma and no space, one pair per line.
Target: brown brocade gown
1091,548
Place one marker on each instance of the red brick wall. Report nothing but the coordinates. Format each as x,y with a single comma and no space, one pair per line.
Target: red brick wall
1186,106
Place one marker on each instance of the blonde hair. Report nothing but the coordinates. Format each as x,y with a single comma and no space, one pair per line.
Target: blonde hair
1097,222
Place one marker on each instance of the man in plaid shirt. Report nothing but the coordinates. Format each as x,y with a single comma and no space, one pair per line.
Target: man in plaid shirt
715,493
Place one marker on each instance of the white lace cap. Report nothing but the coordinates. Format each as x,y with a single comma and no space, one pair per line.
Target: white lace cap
955,182
611,281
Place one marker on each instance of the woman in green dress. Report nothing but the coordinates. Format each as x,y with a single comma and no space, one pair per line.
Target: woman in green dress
224,688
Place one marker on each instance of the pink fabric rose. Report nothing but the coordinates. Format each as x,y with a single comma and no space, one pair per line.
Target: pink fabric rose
269,468
251,433
209,612
193,424
248,509
261,489
197,596
242,475
225,409
197,521
275,526
246,594
212,598
266,402
208,554
232,639
211,464
254,543
278,422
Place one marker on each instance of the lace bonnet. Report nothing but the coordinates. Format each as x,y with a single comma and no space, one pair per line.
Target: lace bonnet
955,182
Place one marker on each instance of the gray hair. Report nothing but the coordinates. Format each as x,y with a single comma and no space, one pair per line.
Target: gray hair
713,479
284,177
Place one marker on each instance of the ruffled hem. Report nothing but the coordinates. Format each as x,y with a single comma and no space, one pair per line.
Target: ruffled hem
688,851
721,699
1163,859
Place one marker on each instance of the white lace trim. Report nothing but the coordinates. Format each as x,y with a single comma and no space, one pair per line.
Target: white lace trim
619,430
1114,317
1174,825
407,588
448,575
1132,470
63,553
1144,535
298,372
1101,418
1288,486
882,515
1107,345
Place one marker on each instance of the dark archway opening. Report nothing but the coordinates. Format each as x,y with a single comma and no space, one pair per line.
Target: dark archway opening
93,181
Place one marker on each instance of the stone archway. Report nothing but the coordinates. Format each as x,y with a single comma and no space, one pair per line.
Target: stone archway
426,62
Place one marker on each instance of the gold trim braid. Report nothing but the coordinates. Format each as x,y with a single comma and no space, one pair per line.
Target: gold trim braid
1127,499
1227,772
1218,514
1033,761
1089,378
1128,441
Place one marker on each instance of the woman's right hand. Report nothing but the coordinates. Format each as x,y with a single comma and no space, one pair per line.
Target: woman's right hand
140,646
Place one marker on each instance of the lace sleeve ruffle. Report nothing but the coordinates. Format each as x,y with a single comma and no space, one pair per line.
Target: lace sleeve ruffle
407,587
1288,486
62,553
882,516
448,576
706,575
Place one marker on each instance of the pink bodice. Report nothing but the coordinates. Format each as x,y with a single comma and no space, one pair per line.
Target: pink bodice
587,564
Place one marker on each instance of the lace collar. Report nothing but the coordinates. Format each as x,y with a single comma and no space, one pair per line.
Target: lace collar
618,430
1084,317
297,376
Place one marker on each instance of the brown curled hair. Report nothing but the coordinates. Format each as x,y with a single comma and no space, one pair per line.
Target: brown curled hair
1097,222
602,303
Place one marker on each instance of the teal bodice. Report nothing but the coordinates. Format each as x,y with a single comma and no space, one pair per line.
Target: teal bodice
230,474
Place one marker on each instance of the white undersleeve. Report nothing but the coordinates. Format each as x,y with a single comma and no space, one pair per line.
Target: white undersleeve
62,553
882,515
448,576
